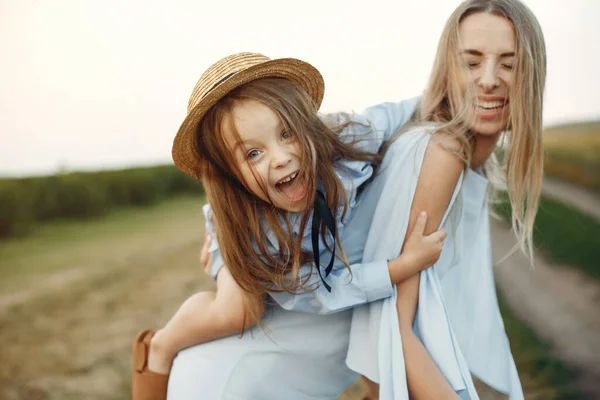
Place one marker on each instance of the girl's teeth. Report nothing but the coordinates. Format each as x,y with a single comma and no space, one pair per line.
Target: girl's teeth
287,179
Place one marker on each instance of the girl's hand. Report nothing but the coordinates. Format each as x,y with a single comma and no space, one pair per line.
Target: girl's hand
424,251
206,257
420,251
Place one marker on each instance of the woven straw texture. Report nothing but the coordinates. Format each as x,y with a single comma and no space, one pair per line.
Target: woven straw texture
226,75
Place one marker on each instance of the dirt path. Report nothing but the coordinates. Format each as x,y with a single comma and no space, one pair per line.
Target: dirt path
70,338
559,303
580,198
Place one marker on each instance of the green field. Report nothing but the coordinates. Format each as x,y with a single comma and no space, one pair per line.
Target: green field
573,153
73,294
543,376
565,235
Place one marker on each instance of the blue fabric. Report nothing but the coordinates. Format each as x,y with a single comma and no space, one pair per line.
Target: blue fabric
458,318
288,356
291,356
369,281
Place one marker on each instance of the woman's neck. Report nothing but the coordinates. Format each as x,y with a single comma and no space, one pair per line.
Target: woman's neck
483,147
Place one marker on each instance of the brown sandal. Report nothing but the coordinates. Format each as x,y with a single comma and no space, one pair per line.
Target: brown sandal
146,385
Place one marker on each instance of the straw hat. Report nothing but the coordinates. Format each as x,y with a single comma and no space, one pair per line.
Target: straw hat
223,77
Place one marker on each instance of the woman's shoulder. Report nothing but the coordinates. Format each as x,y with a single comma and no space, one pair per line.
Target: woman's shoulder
443,156
436,151
436,138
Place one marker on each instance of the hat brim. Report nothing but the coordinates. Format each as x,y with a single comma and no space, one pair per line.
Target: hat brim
307,76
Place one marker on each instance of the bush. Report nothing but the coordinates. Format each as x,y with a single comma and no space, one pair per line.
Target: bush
16,215
574,168
85,194
573,153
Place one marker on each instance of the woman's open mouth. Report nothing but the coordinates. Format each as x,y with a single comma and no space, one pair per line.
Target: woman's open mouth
490,109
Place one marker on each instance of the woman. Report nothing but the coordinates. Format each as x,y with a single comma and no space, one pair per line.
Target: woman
473,96
488,78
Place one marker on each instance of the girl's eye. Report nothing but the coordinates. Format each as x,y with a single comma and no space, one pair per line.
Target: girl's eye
253,154
472,64
285,135
508,66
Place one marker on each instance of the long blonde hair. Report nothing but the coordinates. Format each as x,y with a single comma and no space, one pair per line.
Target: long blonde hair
242,219
521,168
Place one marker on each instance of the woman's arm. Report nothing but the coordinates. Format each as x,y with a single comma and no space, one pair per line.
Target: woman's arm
438,178
203,317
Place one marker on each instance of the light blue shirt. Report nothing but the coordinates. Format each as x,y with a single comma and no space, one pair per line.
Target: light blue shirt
369,281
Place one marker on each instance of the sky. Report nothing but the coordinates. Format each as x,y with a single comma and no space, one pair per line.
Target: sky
104,84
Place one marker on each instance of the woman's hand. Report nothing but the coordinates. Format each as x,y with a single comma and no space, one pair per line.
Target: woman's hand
206,257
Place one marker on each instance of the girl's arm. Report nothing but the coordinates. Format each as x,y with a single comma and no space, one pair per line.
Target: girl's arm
387,118
369,281
378,123
203,317
439,175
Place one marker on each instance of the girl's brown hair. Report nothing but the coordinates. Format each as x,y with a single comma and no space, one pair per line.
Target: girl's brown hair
242,219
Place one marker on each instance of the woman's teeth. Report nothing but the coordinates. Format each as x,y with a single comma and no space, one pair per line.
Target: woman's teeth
289,178
490,105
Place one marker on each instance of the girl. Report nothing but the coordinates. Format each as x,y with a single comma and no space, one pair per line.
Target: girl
271,167
488,78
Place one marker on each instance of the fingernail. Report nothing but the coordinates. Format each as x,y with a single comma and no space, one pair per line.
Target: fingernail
423,214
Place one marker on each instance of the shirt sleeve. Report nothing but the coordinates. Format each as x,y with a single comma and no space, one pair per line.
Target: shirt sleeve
369,131
209,227
377,123
368,282
386,118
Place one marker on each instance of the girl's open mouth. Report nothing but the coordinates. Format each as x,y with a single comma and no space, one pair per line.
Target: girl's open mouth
291,188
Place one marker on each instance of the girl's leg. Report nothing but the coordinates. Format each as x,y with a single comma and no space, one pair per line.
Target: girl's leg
370,389
295,356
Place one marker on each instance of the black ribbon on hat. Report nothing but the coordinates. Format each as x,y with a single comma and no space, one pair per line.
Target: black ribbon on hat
322,213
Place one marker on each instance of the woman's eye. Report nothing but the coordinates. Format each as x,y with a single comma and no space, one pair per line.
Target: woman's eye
253,154
508,66
472,64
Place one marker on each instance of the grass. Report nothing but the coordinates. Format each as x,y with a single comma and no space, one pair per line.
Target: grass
573,153
70,334
137,266
68,245
543,376
566,235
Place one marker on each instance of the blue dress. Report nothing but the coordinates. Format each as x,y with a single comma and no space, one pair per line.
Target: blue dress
458,318
298,354
370,281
